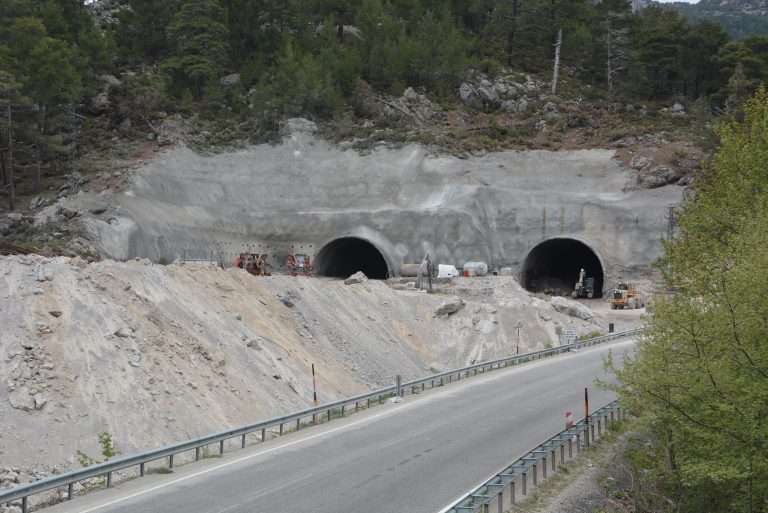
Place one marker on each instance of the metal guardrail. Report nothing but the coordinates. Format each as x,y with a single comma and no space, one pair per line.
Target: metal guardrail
498,493
140,460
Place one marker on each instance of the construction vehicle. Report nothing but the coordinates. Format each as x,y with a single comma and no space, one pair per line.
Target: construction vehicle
254,263
299,265
625,295
585,287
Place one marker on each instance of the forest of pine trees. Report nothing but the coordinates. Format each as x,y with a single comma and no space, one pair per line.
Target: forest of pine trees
310,57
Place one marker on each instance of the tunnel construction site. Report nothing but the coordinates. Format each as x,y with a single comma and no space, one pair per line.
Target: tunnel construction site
544,215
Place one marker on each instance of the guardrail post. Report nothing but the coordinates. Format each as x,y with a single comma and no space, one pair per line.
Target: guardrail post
512,492
141,470
197,453
562,454
109,479
298,426
24,505
578,443
599,427
263,434
535,475
242,442
329,410
70,491
170,461
281,425
221,446
398,386
342,410
554,463
570,448
525,479
544,467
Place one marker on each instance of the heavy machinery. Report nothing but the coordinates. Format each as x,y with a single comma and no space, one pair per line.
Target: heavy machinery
625,295
254,263
299,265
585,287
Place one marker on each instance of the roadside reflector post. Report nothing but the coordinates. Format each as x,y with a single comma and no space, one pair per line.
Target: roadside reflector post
314,387
586,415
568,420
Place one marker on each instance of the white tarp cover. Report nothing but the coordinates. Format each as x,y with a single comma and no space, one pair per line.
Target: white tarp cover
447,271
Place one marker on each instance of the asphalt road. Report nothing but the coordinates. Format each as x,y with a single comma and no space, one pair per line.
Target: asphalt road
416,456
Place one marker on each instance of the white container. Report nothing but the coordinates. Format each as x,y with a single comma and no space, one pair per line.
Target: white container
476,268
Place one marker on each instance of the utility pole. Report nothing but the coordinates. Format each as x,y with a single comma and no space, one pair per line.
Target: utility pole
556,70
12,205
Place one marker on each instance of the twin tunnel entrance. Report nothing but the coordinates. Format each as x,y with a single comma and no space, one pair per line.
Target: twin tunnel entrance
344,257
552,266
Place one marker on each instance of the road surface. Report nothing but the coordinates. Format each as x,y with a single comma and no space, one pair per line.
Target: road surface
417,456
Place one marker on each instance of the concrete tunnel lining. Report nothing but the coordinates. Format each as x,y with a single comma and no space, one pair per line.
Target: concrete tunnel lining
343,257
555,263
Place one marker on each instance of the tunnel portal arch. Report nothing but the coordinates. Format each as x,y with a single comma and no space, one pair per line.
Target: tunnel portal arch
555,265
345,256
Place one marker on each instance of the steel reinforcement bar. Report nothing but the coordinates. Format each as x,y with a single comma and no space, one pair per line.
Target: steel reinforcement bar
499,493
106,469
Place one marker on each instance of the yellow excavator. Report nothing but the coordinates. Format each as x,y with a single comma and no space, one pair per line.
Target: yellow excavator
625,295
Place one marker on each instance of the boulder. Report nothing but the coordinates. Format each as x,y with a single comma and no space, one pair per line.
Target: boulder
651,181
229,81
509,106
469,96
109,80
639,162
550,107
450,306
571,308
678,109
358,277
669,175
99,104
488,96
411,95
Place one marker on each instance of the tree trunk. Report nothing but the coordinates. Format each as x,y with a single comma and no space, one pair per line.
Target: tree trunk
511,33
609,56
39,165
2,169
556,68
12,202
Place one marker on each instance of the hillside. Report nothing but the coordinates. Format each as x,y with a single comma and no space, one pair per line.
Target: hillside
740,18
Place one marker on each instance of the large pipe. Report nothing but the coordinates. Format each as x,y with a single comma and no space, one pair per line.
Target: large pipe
409,270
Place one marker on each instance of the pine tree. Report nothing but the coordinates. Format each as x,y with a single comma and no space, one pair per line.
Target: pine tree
198,39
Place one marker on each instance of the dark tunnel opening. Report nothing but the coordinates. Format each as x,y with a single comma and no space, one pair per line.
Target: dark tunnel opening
553,267
344,257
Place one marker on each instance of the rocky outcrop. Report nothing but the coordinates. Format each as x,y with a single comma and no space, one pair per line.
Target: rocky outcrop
572,308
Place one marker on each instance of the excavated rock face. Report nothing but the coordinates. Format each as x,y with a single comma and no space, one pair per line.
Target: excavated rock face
388,207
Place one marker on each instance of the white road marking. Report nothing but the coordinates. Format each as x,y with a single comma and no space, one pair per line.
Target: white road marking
229,463
490,376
